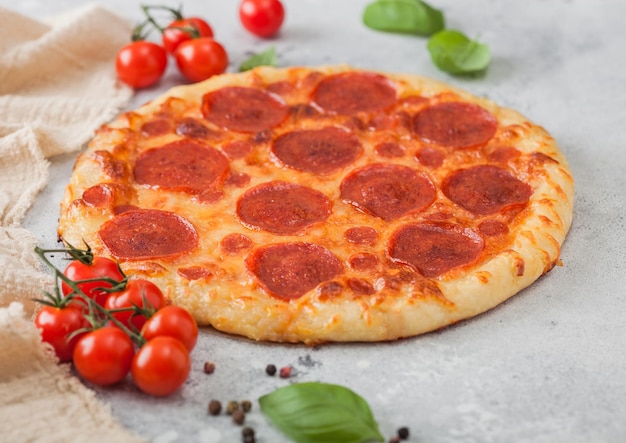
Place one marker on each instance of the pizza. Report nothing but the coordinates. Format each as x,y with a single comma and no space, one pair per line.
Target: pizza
323,204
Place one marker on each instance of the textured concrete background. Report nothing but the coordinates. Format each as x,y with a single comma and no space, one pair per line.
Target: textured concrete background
546,366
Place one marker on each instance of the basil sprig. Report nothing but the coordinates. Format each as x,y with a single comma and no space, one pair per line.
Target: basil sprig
265,58
403,16
321,413
453,52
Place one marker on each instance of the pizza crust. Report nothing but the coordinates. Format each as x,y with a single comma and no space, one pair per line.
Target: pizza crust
404,303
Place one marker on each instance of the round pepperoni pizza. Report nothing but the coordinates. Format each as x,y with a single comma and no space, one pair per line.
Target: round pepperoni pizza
324,204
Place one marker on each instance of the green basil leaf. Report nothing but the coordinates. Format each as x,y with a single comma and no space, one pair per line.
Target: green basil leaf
318,412
403,16
453,52
265,58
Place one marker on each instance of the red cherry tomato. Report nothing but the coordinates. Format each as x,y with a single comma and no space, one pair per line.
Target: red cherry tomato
104,356
172,321
136,291
173,35
57,324
100,267
262,17
161,366
201,58
141,64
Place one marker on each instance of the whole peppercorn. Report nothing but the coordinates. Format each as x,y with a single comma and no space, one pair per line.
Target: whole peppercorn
248,435
239,416
285,372
209,367
246,405
215,407
231,407
270,369
403,433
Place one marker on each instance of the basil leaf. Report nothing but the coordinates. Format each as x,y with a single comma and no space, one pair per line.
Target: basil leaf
403,16
265,58
453,52
318,412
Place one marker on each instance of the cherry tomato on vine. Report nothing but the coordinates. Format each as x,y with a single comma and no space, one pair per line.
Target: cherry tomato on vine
100,267
134,293
104,356
57,324
172,321
201,58
262,17
161,366
174,34
141,63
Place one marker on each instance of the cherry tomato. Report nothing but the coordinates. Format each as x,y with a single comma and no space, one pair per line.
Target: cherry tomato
134,294
172,321
104,356
172,36
262,17
161,366
141,64
201,58
100,267
57,324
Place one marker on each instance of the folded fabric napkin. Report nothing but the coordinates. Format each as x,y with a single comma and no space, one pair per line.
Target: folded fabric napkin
57,85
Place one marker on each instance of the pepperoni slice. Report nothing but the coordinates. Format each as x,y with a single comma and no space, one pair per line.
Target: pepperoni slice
192,128
238,179
360,286
351,92
194,272
430,157
235,243
244,109
363,261
389,150
387,191
153,128
237,149
433,249
362,235
455,124
485,189
183,165
145,234
99,196
290,270
320,151
282,208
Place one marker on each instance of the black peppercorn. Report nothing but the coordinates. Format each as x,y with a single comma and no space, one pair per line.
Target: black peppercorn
403,433
215,407
246,405
239,416
231,407
209,367
270,369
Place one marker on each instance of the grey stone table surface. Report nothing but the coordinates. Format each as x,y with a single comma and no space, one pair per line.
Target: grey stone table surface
549,365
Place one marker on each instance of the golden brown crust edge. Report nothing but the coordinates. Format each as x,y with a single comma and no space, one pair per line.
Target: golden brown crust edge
537,247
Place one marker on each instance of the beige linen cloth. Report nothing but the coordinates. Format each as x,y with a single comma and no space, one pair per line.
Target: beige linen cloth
57,85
